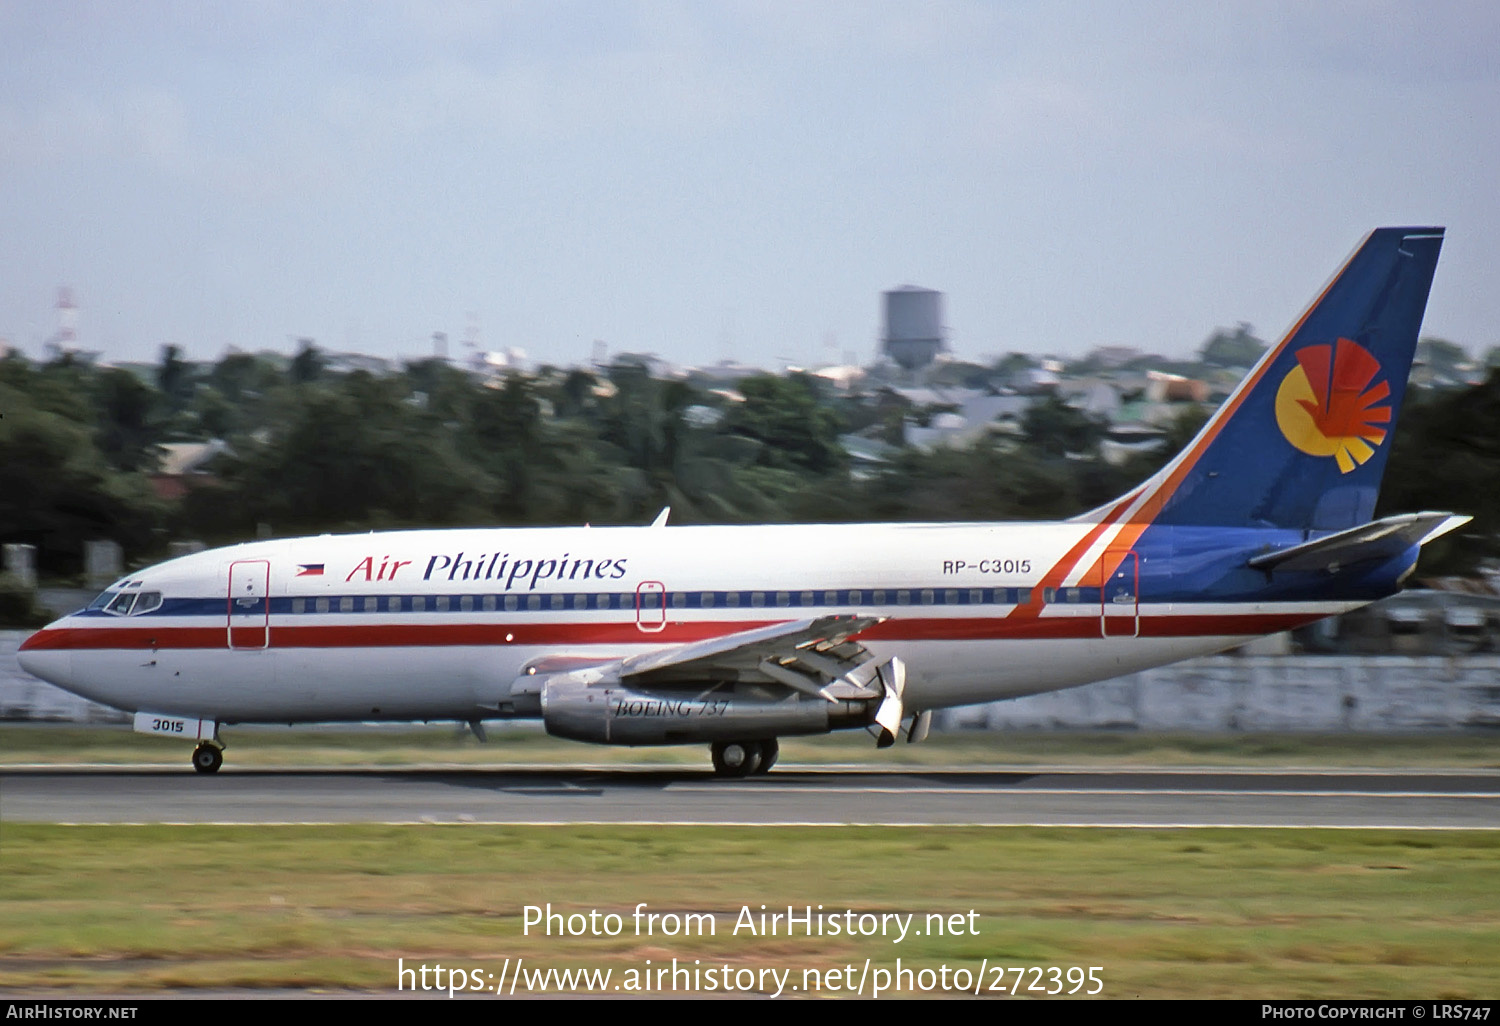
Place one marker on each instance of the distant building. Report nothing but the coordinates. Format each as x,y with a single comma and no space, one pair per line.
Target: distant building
184,466
1174,388
344,363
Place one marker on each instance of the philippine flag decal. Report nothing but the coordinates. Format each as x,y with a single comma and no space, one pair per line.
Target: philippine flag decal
310,570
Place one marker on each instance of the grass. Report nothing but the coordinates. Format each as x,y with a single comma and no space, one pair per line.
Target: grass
407,745
1171,913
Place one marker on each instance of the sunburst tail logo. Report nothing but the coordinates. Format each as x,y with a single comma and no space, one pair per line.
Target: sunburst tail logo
1327,406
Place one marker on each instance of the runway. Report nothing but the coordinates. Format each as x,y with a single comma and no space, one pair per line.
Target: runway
789,795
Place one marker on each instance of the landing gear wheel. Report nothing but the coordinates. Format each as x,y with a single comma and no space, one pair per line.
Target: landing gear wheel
736,758
207,758
769,749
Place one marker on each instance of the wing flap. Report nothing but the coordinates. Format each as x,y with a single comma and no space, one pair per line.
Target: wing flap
821,636
816,656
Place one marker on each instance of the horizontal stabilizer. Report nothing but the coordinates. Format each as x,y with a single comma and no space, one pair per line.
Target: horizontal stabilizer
1379,539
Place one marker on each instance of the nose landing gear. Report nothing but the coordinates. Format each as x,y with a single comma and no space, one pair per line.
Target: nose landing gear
208,757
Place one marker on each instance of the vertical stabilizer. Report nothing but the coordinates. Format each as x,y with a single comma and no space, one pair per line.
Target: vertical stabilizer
1303,441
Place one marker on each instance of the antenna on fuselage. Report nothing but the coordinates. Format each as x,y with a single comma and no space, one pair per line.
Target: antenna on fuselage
661,518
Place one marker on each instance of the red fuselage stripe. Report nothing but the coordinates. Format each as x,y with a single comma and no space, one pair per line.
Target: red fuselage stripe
367,635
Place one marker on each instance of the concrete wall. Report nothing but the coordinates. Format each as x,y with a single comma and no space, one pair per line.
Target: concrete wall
1268,693
1223,693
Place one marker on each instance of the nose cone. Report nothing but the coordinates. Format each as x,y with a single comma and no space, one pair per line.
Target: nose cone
45,655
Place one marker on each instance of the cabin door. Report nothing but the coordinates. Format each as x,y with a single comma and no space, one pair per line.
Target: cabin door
651,606
249,603
1120,598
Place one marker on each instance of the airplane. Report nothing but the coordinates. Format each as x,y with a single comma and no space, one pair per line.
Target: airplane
735,636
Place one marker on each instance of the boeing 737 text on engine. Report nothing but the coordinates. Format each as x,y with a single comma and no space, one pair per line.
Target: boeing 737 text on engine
735,636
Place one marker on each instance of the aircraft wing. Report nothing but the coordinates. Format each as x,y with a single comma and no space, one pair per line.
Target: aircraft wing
1379,539
816,656
820,641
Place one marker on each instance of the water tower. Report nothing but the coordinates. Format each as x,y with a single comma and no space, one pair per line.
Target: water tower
913,326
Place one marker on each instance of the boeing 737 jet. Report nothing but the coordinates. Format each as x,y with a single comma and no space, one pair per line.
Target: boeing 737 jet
736,636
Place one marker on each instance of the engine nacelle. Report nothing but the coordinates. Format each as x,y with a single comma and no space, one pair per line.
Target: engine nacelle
617,715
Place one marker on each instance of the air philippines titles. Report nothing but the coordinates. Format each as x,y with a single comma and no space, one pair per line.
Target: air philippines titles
499,567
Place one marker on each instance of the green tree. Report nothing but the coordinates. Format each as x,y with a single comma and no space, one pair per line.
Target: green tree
127,432
174,378
789,417
1445,455
1232,347
308,364
57,491
354,453
1054,428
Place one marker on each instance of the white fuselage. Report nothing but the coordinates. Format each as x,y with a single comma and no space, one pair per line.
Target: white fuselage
441,624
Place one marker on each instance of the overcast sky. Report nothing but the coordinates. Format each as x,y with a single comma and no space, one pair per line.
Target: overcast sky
708,180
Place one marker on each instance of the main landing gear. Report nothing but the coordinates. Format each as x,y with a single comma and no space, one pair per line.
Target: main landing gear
744,758
208,757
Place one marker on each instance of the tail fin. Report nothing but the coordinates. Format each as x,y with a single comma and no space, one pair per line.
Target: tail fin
1303,441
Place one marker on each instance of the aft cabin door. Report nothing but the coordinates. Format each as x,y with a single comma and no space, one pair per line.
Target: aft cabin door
1120,612
249,603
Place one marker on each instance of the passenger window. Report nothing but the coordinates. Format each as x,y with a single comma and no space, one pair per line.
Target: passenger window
372,604
757,598
418,603
394,603
679,599
927,598
441,604
346,604
707,600
557,602
731,598
783,599
322,605
466,603
580,601
510,603
489,603
830,598
299,605
855,598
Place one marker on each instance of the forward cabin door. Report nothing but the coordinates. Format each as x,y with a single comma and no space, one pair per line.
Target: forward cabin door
249,604
1120,598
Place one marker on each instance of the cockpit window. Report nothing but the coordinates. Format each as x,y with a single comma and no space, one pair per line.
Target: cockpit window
121,603
127,603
